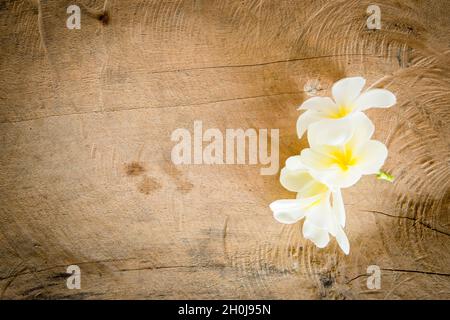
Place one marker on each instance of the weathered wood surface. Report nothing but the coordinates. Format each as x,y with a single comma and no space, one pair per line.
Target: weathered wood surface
85,172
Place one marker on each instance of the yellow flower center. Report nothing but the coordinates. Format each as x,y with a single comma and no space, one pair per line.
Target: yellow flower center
341,112
344,158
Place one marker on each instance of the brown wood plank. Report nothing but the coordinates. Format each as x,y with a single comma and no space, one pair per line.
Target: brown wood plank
86,177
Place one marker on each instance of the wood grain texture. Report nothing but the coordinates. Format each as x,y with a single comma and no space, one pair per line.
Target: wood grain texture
85,171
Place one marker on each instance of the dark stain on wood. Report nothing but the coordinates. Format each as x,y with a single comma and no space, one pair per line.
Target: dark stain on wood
104,18
326,281
134,169
148,185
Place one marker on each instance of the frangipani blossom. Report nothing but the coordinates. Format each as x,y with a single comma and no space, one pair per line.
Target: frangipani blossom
314,204
348,101
341,151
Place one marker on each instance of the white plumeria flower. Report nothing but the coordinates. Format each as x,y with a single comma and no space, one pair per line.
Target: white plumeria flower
313,204
341,151
348,101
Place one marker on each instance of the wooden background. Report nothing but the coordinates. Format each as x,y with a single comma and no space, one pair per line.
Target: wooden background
85,171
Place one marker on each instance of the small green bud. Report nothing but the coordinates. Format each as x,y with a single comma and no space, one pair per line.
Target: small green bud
385,176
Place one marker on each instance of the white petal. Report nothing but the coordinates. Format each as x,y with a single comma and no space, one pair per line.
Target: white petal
295,180
318,236
342,241
363,130
333,225
363,126
288,211
319,214
338,178
305,119
338,206
375,98
320,104
318,159
313,189
301,182
322,215
371,156
346,90
294,163
330,132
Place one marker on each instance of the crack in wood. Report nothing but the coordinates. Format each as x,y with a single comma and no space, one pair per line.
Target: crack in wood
149,108
270,62
417,271
173,267
411,219
400,270
64,266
